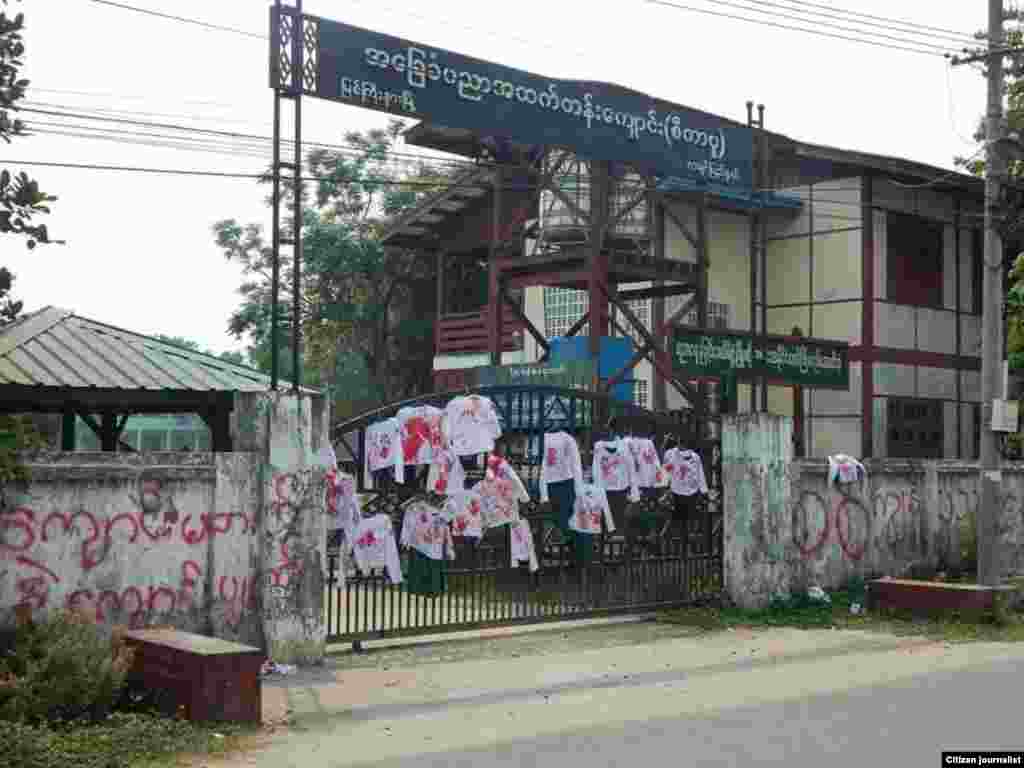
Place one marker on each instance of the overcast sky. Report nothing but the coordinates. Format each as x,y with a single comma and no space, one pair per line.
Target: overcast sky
140,252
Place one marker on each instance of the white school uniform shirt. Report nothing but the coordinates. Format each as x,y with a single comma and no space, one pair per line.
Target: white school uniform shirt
646,464
845,469
561,461
343,504
522,546
502,492
590,509
425,529
464,511
471,425
384,448
446,474
686,471
613,468
374,547
420,431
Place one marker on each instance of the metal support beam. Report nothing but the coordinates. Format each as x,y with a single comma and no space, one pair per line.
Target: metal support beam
690,237
660,332
699,405
597,278
521,316
298,47
495,313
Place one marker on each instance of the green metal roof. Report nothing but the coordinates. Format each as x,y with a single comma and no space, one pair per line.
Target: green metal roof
57,348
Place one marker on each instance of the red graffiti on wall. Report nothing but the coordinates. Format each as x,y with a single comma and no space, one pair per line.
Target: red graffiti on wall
847,516
24,532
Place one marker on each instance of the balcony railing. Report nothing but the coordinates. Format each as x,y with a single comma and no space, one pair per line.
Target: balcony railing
467,332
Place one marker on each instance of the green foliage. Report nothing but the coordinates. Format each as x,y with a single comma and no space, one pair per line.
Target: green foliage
119,741
20,197
357,298
17,434
61,668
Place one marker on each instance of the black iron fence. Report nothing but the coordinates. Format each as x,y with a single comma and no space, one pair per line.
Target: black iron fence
658,561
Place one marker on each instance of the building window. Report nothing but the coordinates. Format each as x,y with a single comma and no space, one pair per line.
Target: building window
718,316
914,260
641,392
562,308
915,429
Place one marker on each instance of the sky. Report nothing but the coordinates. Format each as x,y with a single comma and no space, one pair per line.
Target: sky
140,253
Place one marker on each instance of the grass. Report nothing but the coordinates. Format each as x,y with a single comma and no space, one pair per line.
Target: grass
802,612
123,740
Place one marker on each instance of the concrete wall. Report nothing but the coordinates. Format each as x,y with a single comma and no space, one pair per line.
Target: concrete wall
786,530
229,545
137,539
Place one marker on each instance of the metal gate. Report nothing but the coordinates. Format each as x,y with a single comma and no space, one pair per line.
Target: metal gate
658,566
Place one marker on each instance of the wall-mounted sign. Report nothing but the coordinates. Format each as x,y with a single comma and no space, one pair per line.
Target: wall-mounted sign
596,120
808,362
571,374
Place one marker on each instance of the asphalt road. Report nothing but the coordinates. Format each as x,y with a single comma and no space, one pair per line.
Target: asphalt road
894,725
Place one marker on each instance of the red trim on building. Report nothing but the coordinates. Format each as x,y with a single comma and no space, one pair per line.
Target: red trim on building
867,379
913,357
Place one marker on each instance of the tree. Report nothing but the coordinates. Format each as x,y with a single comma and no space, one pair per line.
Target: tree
366,310
232,357
20,197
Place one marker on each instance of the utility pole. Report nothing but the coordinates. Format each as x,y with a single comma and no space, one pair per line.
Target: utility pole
992,301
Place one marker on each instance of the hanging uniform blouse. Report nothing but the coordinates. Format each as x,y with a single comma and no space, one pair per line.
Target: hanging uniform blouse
425,529
446,474
590,509
343,504
502,491
561,462
471,425
646,464
383,448
374,547
686,472
613,468
420,431
464,510
522,546
845,469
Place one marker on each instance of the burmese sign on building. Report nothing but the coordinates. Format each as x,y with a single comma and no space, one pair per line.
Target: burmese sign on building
807,362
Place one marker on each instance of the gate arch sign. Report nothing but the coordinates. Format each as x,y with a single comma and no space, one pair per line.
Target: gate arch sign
335,61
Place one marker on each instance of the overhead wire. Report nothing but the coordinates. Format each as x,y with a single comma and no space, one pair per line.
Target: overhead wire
820,33
887,19
754,7
180,19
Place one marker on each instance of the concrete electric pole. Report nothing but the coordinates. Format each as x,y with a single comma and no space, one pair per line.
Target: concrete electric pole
992,308
992,299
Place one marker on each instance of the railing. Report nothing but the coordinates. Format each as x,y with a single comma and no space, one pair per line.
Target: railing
467,332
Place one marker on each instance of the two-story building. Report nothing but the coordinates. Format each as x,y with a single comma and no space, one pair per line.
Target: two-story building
881,253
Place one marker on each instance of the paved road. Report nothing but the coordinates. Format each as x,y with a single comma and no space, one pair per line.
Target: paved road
903,724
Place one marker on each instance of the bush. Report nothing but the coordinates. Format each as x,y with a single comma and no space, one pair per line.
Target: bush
116,742
61,669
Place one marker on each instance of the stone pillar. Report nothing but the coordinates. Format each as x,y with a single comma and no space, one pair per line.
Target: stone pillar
757,482
288,431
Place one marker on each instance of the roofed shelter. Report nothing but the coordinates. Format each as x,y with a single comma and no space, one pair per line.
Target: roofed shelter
54,361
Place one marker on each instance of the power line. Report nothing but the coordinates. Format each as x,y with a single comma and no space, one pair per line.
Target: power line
764,22
883,18
880,35
230,134
181,19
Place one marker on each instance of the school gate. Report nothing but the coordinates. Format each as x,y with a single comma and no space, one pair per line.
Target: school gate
653,564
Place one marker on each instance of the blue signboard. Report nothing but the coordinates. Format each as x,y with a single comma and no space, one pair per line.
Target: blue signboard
598,121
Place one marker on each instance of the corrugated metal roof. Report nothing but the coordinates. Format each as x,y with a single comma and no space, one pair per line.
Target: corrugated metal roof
57,348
